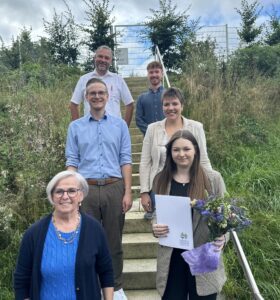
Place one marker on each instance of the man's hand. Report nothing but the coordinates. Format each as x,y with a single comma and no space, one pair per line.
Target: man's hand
146,202
128,113
127,202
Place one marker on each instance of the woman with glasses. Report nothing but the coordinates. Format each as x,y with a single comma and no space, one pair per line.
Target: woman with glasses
58,258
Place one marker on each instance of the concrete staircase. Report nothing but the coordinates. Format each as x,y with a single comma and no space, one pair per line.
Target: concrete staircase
139,245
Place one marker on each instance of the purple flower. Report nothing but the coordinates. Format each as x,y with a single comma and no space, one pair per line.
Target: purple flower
205,213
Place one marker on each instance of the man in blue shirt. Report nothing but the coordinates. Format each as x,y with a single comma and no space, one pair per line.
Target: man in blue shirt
99,147
149,106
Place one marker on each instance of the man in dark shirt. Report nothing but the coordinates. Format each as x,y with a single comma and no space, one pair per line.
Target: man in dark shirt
149,106
149,109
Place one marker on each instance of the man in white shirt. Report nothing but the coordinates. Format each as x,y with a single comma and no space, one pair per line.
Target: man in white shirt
117,88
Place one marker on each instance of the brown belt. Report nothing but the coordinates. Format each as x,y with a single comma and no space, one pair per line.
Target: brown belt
102,181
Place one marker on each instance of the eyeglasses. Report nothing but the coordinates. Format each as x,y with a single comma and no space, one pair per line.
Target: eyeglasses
98,93
72,192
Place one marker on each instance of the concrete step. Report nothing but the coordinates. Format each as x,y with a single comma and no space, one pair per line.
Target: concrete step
142,295
135,179
133,82
137,147
139,274
136,156
135,167
136,206
139,245
135,131
135,223
136,139
135,191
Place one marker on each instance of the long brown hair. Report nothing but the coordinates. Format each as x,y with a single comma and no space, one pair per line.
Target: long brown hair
198,179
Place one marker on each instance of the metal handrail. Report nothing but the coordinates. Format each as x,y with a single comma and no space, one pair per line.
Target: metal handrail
245,266
159,57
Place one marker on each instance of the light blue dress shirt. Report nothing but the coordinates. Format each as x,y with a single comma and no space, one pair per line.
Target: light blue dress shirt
98,148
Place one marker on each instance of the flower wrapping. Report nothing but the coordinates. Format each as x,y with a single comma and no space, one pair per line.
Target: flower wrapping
202,259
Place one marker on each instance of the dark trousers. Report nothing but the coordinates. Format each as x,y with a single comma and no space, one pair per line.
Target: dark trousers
105,204
181,283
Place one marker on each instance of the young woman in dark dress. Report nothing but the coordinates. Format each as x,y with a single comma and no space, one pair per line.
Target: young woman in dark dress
183,175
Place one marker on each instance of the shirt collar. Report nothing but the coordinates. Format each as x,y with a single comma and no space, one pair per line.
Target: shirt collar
160,88
91,118
108,73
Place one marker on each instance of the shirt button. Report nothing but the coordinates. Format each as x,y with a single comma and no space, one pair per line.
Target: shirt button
77,288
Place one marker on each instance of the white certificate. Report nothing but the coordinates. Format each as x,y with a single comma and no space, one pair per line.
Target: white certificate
175,212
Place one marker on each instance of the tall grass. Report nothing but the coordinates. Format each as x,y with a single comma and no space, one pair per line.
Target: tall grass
33,121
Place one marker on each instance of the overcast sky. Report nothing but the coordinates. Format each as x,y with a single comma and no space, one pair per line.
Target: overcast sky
15,14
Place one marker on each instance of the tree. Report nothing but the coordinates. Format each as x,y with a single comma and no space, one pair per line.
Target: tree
249,14
99,30
22,51
63,37
170,31
273,32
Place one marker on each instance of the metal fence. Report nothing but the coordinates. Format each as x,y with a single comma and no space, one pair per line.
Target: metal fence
133,51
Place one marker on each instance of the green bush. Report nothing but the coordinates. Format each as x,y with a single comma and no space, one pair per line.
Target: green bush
256,60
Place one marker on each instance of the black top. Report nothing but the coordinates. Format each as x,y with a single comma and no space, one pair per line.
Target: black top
179,189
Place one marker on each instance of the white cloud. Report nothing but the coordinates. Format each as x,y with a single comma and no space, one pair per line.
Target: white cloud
18,13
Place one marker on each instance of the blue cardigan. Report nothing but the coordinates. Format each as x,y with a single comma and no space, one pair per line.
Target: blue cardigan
93,261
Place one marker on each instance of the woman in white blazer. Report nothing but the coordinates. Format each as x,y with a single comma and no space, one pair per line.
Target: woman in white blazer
157,136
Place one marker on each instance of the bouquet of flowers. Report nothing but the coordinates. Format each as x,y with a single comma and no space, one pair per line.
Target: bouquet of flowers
222,215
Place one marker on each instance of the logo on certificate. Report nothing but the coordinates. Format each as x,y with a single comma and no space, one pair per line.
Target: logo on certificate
184,239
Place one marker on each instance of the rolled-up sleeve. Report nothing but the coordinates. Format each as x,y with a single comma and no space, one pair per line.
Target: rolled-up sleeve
78,95
125,150
72,149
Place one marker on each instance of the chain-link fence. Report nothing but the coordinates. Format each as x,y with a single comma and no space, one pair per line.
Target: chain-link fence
133,51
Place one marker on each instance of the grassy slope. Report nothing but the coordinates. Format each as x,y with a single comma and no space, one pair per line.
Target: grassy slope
33,132
253,174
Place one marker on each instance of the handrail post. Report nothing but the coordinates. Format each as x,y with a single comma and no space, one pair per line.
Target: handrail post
157,53
245,266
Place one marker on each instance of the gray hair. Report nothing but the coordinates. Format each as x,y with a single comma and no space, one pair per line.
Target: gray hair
62,175
104,47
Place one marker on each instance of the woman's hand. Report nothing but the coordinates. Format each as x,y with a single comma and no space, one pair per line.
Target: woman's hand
146,201
220,243
160,230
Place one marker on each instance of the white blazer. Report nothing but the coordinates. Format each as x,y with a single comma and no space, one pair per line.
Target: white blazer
153,143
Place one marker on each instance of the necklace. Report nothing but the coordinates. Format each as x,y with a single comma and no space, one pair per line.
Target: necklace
72,237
